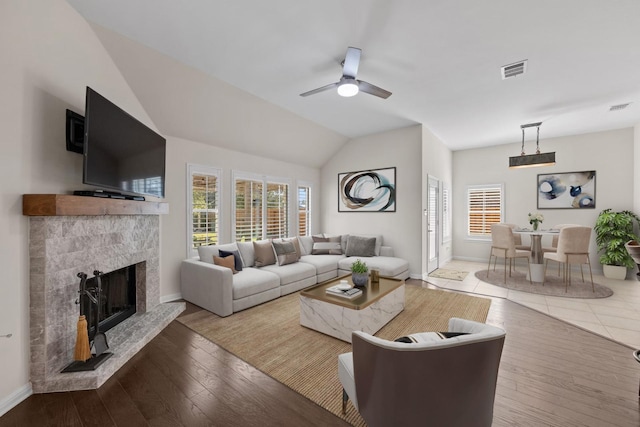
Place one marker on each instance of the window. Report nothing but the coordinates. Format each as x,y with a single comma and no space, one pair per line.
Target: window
485,207
304,210
261,207
203,216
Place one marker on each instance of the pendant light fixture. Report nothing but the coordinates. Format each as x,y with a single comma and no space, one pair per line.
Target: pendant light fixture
532,160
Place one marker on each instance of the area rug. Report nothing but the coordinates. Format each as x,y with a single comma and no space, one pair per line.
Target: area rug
269,337
443,273
553,285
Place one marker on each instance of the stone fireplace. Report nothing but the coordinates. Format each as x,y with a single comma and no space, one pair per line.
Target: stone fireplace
60,246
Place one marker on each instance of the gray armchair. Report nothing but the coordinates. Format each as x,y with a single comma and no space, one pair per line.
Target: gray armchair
436,382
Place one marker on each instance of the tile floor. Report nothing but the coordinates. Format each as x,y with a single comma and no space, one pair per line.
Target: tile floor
616,317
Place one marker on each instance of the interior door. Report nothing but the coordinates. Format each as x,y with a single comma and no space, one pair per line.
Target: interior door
433,223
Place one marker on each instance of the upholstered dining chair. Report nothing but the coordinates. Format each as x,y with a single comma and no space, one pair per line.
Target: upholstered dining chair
517,239
503,246
573,248
554,240
432,381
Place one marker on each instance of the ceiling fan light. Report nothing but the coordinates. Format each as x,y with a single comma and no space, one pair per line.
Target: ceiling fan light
348,88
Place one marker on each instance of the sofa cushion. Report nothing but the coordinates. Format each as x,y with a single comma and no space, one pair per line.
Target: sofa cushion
323,264
285,252
246,253
207,253
237,259
227,261
361,246
326,246
306,244
251,281
263,250
291,272
388,266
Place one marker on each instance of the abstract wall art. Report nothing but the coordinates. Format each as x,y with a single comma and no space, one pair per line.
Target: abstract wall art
372,190
567,190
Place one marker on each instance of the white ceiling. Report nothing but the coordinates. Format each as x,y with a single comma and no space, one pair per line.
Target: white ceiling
441,59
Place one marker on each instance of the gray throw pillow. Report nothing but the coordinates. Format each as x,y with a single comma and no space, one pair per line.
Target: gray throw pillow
285,252
361,246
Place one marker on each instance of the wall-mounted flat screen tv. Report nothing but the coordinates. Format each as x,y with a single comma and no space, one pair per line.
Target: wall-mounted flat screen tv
121,153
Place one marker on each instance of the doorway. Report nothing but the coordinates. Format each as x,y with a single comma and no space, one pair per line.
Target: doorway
433,222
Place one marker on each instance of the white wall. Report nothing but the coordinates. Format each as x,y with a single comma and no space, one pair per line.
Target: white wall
401,229
437,162
608,153
636,169
180,152
48,55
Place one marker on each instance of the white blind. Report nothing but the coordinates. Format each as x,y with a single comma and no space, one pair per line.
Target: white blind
484,209
304,214
249,206
203,207
277,210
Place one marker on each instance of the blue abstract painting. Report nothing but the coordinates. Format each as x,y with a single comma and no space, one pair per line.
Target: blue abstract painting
568,190
371,190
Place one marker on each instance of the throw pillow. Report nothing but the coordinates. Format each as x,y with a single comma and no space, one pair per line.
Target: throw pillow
236,258
285,252
227,261
264,253
206,253
361,246
296,243
326,246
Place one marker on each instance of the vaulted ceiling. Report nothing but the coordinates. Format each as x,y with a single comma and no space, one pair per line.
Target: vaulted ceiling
440,59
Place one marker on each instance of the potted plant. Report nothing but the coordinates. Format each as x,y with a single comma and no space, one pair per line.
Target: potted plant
359,273
613,230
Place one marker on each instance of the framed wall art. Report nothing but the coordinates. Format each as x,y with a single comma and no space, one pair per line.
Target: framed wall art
567,190
372,190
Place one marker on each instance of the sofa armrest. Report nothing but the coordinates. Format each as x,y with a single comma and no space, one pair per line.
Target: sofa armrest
386,251
208,286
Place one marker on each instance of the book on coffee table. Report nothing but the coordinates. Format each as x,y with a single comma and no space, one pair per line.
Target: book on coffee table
340,291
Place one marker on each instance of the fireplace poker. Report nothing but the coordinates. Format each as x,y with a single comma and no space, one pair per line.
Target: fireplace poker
82,350
100,343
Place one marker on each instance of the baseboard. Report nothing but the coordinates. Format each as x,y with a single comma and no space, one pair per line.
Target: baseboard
416,276
172,297
15,398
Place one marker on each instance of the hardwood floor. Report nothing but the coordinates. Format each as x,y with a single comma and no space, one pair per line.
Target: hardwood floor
551,374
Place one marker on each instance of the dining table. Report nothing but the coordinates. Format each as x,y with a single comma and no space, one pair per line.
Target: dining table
536,261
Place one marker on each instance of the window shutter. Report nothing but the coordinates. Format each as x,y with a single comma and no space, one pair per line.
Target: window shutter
248,210
485,209
277,210
203,207
304,228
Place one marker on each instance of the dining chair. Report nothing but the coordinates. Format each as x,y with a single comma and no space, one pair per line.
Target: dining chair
503,246
573,248
517,239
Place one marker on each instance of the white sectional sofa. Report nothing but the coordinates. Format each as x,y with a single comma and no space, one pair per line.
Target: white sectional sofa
269,269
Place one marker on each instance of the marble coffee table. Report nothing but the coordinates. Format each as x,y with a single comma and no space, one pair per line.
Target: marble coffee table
339,317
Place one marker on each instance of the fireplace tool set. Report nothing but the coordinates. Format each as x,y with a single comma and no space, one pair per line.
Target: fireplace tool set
88,357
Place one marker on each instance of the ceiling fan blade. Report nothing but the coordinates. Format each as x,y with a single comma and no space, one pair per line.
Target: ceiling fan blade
373,90
351,62
320,89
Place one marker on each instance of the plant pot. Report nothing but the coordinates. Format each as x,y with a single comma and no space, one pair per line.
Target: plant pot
360,279
633,247
614,272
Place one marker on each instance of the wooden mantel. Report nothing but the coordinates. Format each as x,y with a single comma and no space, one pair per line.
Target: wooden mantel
68,205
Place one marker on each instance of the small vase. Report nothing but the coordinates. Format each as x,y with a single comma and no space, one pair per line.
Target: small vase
535,226
360,279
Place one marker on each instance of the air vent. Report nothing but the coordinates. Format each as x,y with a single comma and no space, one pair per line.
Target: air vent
619,107
514,69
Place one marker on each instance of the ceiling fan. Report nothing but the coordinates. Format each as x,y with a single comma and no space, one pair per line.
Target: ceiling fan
348,84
